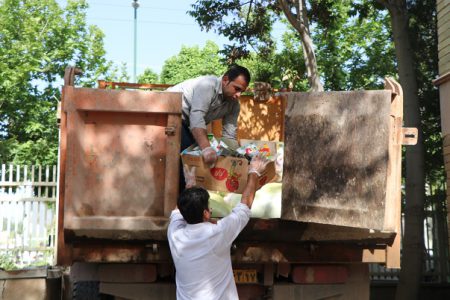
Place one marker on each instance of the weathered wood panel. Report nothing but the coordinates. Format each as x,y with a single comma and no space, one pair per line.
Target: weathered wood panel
444,62
392,221
443,31
115,158
336,156
442,10
85,99
444,50
444,95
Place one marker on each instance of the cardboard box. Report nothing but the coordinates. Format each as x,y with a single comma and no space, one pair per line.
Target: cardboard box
230,173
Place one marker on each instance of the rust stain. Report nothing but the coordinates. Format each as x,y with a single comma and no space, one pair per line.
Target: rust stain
85,210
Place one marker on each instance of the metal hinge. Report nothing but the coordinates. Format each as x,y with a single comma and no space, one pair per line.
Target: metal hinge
170,130
409,136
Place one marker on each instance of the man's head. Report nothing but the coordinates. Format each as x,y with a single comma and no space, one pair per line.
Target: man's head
193,205
234,82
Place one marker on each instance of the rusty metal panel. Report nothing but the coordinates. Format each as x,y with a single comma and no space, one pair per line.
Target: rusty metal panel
115,161
336,158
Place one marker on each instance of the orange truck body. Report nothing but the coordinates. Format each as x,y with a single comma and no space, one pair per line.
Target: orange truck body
119,164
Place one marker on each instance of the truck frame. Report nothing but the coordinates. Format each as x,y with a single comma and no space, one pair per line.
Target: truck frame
118,174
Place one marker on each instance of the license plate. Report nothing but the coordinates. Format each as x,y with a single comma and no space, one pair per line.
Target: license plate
245,276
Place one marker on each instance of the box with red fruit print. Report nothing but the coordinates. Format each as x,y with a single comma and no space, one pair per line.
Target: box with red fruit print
229,173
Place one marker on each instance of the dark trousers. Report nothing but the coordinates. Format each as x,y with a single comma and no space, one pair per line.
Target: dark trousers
187,139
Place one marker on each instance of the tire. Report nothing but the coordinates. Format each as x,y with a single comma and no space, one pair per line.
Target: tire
86,290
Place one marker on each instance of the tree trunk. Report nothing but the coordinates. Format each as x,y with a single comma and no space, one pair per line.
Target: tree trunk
413,245
299,21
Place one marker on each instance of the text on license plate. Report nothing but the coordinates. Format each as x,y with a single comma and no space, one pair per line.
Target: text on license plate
245,276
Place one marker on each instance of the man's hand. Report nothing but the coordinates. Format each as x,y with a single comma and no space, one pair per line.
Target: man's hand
189,176
209,156
258,164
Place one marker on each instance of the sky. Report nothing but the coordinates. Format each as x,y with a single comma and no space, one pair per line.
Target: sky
162,28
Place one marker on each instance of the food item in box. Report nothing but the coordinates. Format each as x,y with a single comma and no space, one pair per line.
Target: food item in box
222,149
267,203
195,152
249,150
279,161
230,171
265,150
214,144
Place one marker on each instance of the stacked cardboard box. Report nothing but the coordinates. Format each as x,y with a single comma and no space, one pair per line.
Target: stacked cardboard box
230,173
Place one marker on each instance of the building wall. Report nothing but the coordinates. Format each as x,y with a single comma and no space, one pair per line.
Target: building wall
443,10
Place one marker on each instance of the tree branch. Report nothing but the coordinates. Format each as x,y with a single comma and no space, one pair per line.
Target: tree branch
248,13
385,3
292,18
304,19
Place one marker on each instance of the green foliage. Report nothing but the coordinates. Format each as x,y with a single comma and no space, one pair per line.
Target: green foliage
38,39
118,74
354,51
148,76
192,62
260,66
7,262
423,32
10,260
246,23
290,63
281,69
352,38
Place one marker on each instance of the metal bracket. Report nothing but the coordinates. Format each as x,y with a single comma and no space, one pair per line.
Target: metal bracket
409,136
268,274
170,130
69,75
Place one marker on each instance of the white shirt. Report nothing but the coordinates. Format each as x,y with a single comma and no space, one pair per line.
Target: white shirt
201,253
203,103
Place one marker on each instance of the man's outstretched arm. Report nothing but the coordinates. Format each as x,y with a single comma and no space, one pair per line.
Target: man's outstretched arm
256,168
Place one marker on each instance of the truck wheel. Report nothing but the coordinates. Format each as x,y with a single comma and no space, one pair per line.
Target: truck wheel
86,290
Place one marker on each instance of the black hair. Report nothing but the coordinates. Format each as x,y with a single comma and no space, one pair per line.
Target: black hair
235,70
191,203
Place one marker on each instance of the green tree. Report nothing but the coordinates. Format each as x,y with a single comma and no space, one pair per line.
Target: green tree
38,39
282,69
415,36
251,22
354,48
148,76
357,45
192,62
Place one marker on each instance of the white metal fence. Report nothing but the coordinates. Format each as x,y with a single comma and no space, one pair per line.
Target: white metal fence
27,215
436,260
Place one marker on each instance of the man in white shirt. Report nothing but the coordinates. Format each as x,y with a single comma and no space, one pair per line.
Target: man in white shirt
201,249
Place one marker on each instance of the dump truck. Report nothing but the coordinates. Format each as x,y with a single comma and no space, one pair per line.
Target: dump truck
340,198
